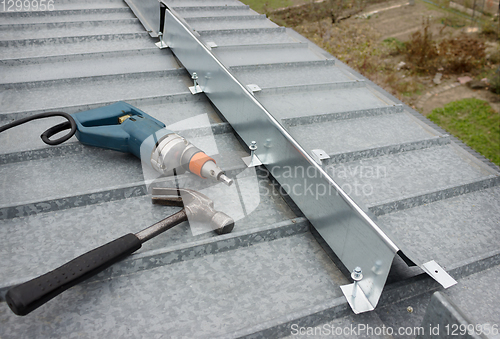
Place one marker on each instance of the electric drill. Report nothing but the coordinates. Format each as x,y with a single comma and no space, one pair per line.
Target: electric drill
125,128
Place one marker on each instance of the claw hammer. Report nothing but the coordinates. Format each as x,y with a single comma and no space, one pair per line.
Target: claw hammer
28,296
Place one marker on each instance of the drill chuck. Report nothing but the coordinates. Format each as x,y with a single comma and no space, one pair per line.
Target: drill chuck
174,152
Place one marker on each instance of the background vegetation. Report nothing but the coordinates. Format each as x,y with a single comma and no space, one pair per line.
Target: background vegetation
474,122
406,67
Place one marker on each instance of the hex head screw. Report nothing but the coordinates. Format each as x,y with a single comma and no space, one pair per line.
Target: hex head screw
356,275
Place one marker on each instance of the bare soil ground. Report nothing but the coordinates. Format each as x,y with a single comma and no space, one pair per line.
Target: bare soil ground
401,22
362,42
458,93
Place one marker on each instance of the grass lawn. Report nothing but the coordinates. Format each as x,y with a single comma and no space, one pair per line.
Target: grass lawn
474,122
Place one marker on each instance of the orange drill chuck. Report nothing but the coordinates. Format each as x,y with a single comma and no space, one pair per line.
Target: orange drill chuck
175,152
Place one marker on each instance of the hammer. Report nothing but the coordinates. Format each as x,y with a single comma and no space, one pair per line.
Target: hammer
28,296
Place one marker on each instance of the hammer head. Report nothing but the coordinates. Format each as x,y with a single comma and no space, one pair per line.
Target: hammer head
198,207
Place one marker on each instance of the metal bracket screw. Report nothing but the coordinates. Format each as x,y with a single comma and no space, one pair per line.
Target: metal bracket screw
195,77
253,147
196,88
252,160
358,300
356,275
267,144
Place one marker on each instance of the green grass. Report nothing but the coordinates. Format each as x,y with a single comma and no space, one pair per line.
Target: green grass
474,122
394,43
262,6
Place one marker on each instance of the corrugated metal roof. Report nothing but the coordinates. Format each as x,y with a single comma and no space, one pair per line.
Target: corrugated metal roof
439,200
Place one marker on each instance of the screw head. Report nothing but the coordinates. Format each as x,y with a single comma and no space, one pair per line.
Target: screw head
195,76
253,146
357,274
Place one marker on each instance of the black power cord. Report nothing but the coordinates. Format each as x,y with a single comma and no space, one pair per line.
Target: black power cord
70,124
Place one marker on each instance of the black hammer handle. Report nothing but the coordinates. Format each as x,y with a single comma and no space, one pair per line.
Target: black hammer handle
24,298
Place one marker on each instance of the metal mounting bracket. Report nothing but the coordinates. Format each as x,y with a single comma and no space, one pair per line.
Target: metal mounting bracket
161,44
195,89
211,44
254,88
252,161
356,298
433,269
319,155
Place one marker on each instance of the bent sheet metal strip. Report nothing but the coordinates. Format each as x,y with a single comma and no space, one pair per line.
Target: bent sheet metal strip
346,228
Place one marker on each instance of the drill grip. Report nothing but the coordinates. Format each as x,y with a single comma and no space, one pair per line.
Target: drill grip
24,298
120,127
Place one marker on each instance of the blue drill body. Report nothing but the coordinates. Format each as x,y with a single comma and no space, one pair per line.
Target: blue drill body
100,127
125,128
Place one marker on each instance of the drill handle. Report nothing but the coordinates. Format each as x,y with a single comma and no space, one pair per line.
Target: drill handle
120,127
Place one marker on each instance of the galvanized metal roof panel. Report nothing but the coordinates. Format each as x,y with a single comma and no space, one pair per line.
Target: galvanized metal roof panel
453,230
230,22
181,288
291,74
482,286
71,15
52,95
88,225
253,36
87,4
71,66
410,173
265,54
331,98
44,47
100,169
349,135
214,11
65,29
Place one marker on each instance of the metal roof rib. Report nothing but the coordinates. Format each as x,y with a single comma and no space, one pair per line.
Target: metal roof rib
230,22
26,48
215,11
242,36
103,89
72,15
275,269
59,67
63,29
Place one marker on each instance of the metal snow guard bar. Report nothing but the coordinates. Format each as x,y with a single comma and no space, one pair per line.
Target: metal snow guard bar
148,12
352,235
